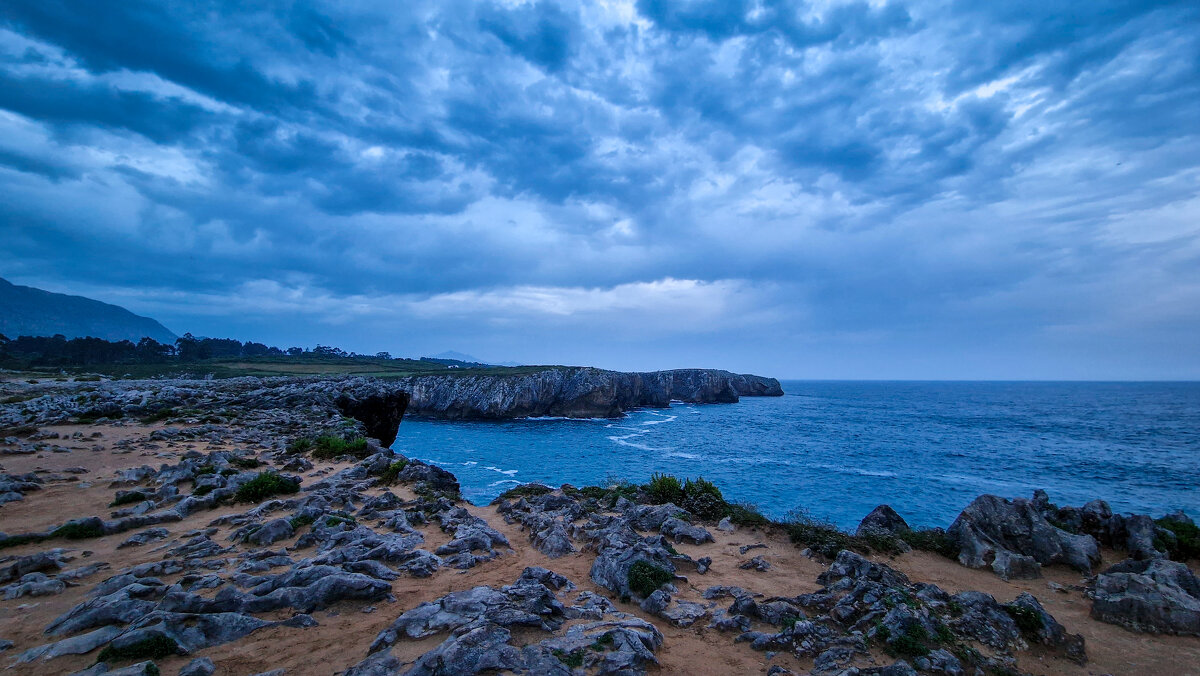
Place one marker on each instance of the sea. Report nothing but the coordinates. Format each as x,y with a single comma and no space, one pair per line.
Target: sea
836,449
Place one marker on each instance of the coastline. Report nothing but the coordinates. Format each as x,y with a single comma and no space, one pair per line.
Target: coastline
387,534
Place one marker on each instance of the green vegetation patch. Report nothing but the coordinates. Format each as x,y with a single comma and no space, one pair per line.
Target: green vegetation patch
392,473
603,643
1028,620
746,514
931,540
523,491
572,660
329,446
820,536
645,578
130,498
337,520
78,530
663,488
246,463
912,643
18,540
300,521
266,485
1187,539
154,647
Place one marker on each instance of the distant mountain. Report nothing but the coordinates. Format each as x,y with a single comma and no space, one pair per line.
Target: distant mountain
456,356
26,311
466,359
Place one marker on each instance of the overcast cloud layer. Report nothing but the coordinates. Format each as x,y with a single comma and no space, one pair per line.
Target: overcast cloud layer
867,189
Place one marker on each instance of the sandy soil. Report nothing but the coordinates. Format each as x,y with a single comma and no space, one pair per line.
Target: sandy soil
346,630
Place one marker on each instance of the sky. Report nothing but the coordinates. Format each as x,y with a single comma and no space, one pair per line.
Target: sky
909,190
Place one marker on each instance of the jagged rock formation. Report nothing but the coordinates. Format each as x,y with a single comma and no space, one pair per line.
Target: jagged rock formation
1152,595
1015,540
575,392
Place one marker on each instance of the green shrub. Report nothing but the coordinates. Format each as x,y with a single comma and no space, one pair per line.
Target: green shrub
329,446
17,540
605,641
746,514
573,659
912,643
1187,539
664,488
301,521
618,488
204,469
228,471
266,485
201,491
129,498
645,578
931,540
593,492
881,541
300,445
154,647
246,463
339,519
159,415
78,530
820,536
704,499
1028,620
523,491
392,473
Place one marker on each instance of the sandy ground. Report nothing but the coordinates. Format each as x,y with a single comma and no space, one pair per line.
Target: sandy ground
346,630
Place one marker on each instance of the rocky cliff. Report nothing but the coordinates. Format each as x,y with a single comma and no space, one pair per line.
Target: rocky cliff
575,392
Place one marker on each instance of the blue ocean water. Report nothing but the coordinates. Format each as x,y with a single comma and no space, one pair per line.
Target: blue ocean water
838,449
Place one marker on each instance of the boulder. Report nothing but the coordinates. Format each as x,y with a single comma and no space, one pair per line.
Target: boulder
1152,595
993,529
882,519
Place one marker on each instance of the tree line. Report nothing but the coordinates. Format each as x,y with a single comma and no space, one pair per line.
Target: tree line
57,350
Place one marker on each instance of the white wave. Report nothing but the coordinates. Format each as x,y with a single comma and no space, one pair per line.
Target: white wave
503,481
659,422
509,472
685,456
470,463
624,441
856,470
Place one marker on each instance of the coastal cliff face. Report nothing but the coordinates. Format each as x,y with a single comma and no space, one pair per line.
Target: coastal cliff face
575,392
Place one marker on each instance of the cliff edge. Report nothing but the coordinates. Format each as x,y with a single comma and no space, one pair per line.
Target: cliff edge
575,392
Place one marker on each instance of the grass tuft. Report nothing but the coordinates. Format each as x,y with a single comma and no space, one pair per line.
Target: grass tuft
392,473
130,498
1028,620
523,491
266,485
78,530
154,647
645,578
329,446
1187,539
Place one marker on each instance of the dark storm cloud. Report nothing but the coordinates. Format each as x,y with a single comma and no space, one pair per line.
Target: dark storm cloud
919,177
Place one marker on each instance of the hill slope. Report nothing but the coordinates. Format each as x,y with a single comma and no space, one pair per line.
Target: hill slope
26,311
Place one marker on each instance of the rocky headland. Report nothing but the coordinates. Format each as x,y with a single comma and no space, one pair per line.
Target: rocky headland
576,392
260,526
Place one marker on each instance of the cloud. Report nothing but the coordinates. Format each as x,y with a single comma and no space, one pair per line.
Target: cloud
922,178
